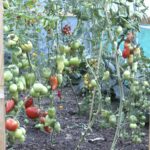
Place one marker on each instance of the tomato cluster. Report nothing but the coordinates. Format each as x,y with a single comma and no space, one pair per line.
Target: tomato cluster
130,50
66,30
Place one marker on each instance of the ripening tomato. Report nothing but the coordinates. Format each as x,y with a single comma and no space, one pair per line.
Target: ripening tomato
32,112
42,120
53,82
28,102
10,104
43,114
11,124
48,129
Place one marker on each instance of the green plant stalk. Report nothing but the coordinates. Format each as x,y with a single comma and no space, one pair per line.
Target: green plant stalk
29,62
121,91
92,116
92,105
77,100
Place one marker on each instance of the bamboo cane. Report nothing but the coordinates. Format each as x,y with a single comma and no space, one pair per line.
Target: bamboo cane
2,108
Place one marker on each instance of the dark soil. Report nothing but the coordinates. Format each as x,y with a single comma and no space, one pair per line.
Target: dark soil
72,126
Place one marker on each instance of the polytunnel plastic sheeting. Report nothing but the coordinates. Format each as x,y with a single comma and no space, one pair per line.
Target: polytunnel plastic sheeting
143,38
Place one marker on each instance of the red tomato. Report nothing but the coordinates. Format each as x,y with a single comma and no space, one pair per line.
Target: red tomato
32,112
10,104
53,82
126,53
126,44
11,124
48,129
28,102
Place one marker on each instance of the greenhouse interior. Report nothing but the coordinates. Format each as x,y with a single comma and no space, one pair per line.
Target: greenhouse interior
75,75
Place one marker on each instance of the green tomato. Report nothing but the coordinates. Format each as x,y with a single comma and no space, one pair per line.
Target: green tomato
22,139
143,118
75,45
66,49
112,119
30,79
18,52
52,112
33,93
93,83
37,87
44,90
74,61
66,62
13,88
105,113
27,47
46,72
60,67
6,4
26,121
60,78
25,63
106,76
119,30
49,121
11,43
142,124
23,130
20,86
23,80
61,48
108,100
18,133
57,127
133,119
19,65
15,96
8,76
126,75
6,28
146,84
14,69
133,125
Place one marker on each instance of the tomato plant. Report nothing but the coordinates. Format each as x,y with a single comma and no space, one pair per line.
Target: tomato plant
89,55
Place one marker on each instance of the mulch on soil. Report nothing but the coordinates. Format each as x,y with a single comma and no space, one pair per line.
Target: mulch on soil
72,126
